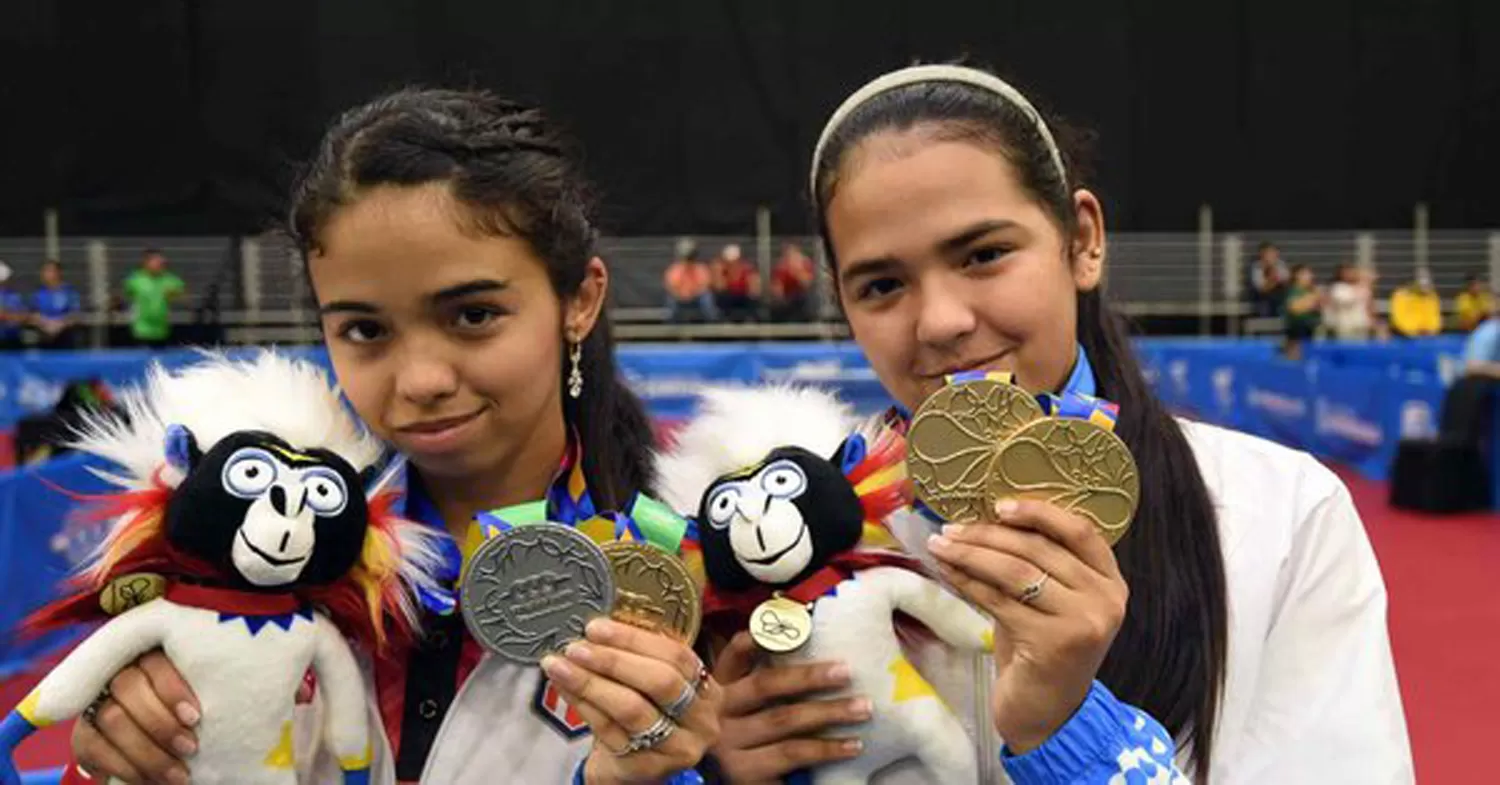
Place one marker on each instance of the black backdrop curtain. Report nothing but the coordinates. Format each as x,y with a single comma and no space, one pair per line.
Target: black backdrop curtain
183,116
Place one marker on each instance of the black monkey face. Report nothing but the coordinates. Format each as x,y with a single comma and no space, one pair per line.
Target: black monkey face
271,515
777,522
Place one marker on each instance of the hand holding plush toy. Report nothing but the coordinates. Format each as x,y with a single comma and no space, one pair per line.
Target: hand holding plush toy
794,547
243,500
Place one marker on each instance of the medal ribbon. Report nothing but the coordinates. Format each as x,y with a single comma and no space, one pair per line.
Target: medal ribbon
568,503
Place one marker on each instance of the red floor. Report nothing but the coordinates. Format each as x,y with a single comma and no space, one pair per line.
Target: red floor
1445,629
1445,622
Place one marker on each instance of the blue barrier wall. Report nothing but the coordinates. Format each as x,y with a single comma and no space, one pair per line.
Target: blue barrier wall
1349,402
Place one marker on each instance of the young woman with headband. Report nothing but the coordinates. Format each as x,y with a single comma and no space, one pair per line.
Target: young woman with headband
1244,610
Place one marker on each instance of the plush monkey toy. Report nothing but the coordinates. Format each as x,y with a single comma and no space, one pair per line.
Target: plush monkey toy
243,544
795,549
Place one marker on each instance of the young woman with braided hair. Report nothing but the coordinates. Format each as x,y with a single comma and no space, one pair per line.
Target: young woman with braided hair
451,250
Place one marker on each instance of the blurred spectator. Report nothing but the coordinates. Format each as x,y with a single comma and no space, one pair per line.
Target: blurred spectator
1416,309
688,282
55,308
1482,348
1348,309
791,285
12,311
1268,281
1474,303
1304,306
736,286
149,292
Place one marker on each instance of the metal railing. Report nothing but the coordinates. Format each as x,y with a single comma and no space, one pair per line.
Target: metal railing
258,291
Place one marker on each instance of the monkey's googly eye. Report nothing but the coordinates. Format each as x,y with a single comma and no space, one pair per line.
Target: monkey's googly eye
783,480
326,493
722,505
249,473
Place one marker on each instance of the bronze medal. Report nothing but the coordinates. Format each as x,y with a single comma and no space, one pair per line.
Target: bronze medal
653,590
128,591
780,625
953,439
1074,464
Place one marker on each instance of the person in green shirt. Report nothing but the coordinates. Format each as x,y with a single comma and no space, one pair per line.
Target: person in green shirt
1304,311
149,291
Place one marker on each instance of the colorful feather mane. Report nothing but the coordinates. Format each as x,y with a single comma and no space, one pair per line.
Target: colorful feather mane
372,603
875,465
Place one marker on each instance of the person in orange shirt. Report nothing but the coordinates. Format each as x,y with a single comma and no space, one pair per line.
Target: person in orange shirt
687,282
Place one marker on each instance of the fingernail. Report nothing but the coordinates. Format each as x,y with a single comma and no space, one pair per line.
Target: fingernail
177,776
557,668
838,672
937,542
1006,508
579,651
862,708
188,714
184,746
599,629
852,746
953,529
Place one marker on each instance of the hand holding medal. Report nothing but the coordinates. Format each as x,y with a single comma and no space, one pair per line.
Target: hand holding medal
1062,489
611,625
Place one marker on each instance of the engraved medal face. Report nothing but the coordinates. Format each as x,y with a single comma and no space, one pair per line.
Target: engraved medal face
953,440
1074,464
128,591
780,625
653,590
530,590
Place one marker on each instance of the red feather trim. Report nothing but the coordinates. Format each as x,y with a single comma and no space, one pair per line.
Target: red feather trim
348,600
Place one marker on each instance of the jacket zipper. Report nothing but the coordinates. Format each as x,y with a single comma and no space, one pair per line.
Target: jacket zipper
437,738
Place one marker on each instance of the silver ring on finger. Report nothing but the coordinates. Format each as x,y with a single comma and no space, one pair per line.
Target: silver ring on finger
684,701
1030,594
650,738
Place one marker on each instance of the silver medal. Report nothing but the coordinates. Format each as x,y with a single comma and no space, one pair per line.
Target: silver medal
530,590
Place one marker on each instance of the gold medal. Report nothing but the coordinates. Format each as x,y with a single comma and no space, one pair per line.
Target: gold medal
1073,464
780,625
128,591
653,590
953,439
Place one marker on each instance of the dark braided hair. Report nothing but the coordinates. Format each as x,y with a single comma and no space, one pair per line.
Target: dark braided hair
1169,655
514,173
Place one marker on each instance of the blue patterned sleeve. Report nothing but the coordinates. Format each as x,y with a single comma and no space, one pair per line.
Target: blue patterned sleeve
1105,743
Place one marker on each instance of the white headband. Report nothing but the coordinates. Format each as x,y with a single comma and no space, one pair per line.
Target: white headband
933,73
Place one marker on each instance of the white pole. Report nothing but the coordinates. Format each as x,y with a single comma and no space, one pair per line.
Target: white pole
1419,238
1364,250
1234,292
99,295
763,253
54,241
1205,268
1494,259
250,268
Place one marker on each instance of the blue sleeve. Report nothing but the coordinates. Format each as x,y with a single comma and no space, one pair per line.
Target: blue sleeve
684,777
1481,344
1105,743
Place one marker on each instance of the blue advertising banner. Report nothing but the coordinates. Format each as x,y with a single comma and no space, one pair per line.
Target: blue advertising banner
38,548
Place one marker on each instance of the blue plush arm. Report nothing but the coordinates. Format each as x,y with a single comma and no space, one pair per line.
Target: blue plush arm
684,777
1105,742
